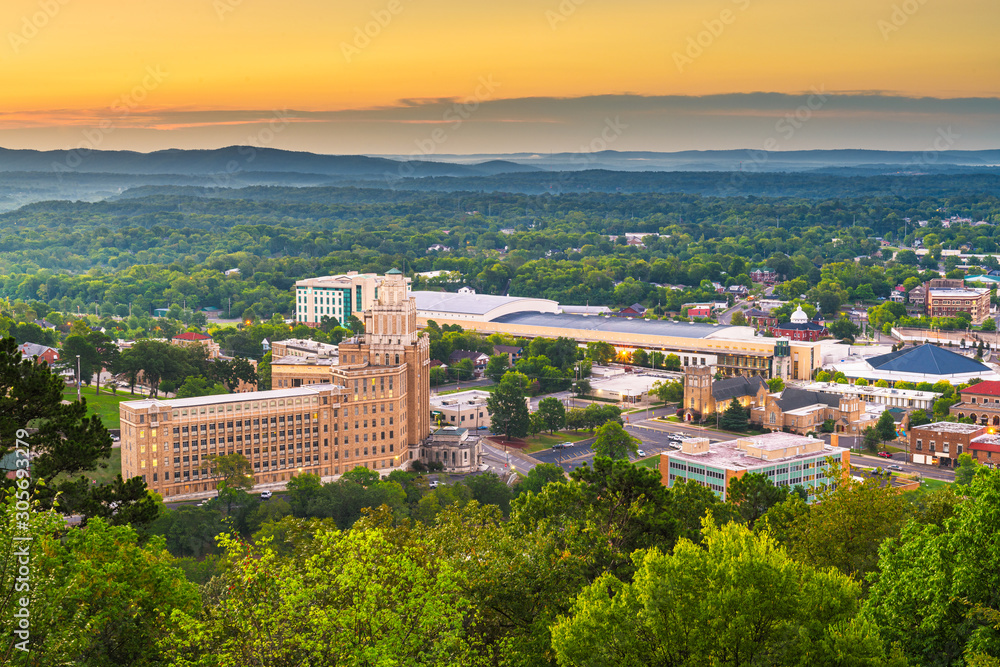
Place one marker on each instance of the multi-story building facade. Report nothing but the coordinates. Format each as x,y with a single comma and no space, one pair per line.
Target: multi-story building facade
300,371
947,298
801,411
907,399
981,403
703,395
336,297
373,411
786,459
302,347
282,433
941,443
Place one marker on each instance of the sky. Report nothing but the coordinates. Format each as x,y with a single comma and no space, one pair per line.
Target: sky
427,77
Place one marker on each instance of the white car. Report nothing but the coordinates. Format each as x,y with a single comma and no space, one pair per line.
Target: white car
433,484
640,453
265,495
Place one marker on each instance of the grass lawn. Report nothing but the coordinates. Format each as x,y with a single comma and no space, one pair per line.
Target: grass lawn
545,441
652,462
929,485
104,406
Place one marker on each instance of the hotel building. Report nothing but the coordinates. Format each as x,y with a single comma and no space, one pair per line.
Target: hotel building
337,297
373,411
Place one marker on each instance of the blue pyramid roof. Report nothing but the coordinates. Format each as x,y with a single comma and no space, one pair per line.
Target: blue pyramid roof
927,359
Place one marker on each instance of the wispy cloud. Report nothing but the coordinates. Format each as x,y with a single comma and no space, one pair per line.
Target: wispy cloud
859,119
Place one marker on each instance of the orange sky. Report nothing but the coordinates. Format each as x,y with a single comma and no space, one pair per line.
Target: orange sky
61,58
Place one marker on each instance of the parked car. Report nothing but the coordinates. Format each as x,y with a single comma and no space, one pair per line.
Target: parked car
204,502
894,467
265,495
433,484
885,455
562,445
640,453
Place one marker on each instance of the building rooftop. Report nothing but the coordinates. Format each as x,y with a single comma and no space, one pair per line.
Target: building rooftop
736,387
986,388
949,427
192,335
870,390
734,454
928,360
198,401
470,397
475,304
956,293
638,325
628,383
794,398
305,361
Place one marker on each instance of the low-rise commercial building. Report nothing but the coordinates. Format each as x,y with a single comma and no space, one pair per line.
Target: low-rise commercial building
947,298
907,399
941,443
981,403
463,409
786,459
302,347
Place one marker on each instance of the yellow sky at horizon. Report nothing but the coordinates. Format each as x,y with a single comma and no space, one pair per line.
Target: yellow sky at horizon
263,54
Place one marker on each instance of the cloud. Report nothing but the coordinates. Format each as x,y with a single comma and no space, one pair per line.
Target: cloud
820,119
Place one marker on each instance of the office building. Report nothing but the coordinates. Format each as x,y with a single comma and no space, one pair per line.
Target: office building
786,459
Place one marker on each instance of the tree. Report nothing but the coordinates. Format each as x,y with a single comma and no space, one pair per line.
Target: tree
497,366
669,392
847,527
508,408
539,476
822,376
871,439
738,319
646,620
122,589
581,387
232,372
989,324
601,352
966,469
938,579
614,442
67,440
438,376
886,427
196,385
734,417
775,384
640,358
845,329
233,470
861,382
489,489
553,413
264,372
391,596
753,495
463,369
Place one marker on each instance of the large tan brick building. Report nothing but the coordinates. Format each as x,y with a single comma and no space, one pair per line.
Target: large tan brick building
947,298
373,411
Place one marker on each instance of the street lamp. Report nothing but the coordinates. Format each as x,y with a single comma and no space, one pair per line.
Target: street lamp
78,378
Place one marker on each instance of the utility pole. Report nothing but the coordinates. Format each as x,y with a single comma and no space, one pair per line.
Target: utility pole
78,378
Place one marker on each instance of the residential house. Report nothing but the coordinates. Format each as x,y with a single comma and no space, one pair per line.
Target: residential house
513,352
41,353
767,276
479,360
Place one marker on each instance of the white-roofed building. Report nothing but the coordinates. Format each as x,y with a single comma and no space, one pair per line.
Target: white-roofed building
477,307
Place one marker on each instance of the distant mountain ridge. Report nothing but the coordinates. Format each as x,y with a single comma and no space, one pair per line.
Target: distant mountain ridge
238,159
